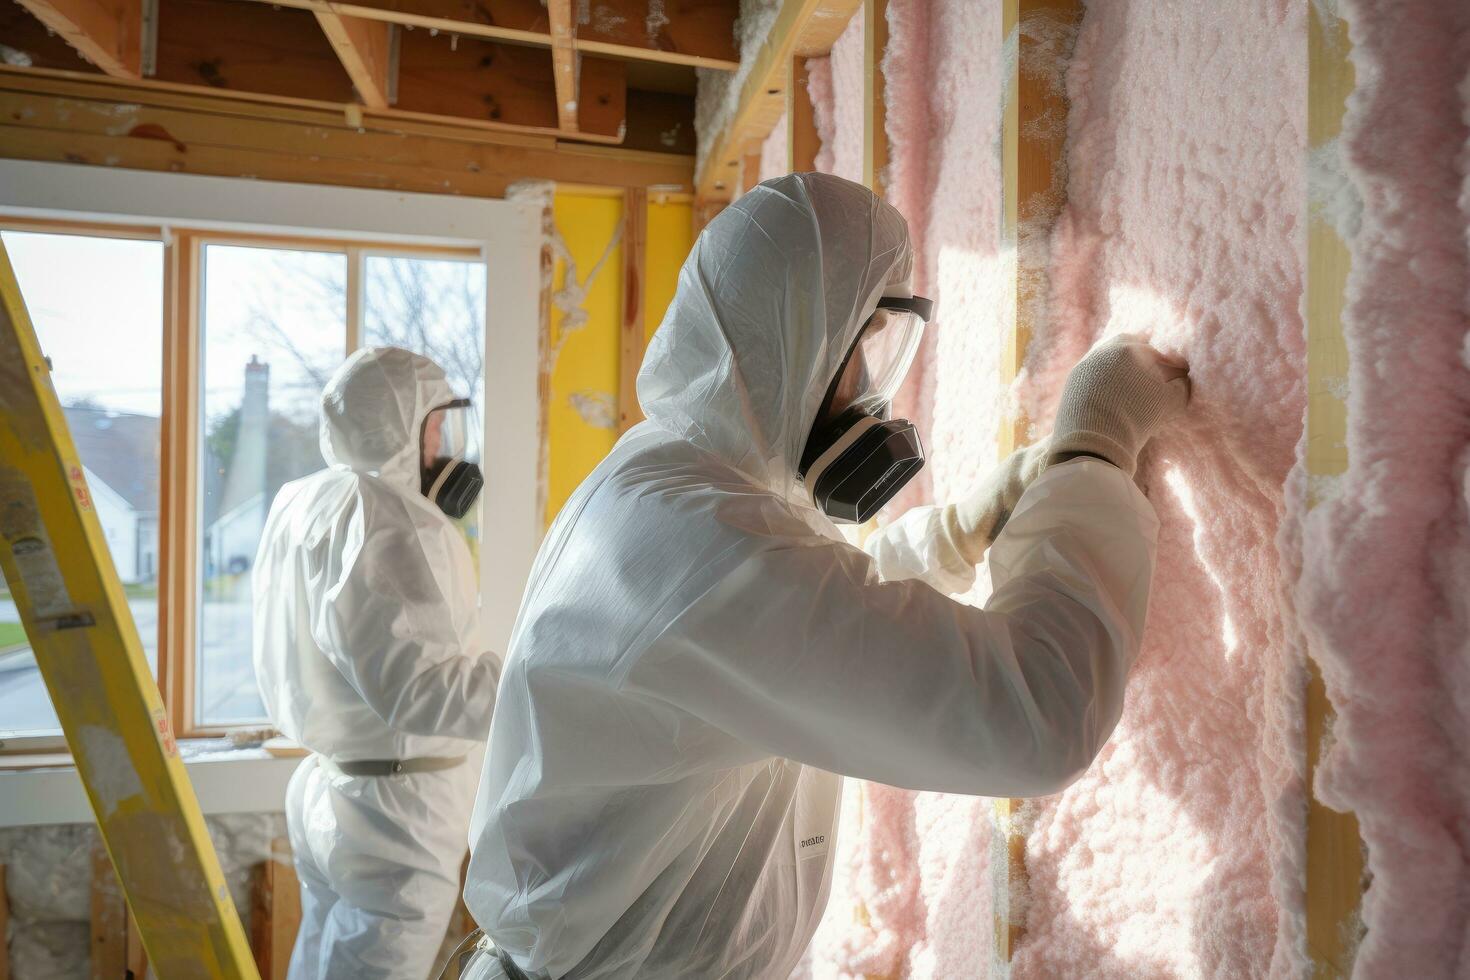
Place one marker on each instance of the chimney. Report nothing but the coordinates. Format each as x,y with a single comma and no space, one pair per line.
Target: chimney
247,476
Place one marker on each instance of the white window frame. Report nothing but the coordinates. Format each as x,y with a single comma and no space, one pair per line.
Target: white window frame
505,234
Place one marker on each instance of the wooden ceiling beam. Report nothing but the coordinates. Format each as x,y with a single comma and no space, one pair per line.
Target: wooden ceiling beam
804,28
108,33
92,120
364,48
680,32
492,82
563,63
244,47
323,55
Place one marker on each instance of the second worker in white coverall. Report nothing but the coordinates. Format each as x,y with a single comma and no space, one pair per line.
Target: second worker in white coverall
701,657
369,652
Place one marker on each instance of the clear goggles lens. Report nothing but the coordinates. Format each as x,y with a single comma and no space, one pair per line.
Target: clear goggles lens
880,361
453,430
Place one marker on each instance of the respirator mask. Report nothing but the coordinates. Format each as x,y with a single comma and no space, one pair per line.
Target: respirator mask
857,458
449,460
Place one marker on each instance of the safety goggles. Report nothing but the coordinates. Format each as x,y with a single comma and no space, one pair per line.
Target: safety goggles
453,431
878,362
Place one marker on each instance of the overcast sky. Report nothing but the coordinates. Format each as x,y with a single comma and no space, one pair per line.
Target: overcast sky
97,305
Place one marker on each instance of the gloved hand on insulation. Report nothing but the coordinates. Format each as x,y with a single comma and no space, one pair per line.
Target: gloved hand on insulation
1115,399
973,523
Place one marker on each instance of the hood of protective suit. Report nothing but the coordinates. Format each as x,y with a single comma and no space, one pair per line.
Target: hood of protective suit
769,302
373,412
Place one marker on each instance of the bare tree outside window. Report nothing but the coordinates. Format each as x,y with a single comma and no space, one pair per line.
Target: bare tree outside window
434,307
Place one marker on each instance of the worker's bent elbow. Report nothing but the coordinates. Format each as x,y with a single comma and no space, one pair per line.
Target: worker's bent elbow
1073,699
1059,747
1058,769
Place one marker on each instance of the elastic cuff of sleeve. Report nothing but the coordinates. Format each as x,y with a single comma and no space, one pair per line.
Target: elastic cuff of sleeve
971,546
1095,444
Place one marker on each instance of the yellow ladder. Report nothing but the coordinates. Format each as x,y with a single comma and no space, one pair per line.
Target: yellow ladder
62,579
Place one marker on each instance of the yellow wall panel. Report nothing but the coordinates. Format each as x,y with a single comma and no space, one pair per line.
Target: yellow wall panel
581,419
581,423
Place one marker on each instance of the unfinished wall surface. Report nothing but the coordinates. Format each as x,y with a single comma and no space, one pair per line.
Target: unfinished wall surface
1385,585
1181,853
583,343
583,327
48,884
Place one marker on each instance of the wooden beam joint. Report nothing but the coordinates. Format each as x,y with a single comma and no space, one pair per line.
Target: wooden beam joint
564,62
364,48
804,28
108,33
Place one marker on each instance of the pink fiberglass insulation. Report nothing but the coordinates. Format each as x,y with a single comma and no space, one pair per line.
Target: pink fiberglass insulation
835,84
1179,853
1386,559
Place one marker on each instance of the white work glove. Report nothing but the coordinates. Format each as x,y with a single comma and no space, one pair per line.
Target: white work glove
973,523
1115,399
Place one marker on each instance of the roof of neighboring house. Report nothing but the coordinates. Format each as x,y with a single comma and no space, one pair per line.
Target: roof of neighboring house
122,450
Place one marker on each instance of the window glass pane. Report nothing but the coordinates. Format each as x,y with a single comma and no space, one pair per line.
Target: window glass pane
274,331
437,308
97,306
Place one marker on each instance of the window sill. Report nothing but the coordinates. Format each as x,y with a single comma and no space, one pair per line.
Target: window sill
44,789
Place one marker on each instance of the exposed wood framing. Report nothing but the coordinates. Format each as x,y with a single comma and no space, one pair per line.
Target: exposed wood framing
252,48
750,170
69,119
802,142
472,78
1033,167
802,28
245,47
493,63
875,131
564,63
178,448
109,918
363,47
137,955
679,32
1034,188
108,33
1334,886
545,358
275,911
635,240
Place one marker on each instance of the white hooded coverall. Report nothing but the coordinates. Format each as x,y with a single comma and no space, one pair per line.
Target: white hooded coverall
368,646
700,657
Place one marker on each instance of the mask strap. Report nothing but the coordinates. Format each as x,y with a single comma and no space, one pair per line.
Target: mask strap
443,476
834,451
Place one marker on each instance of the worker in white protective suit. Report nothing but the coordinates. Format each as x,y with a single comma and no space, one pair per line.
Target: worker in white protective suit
368,651
700,656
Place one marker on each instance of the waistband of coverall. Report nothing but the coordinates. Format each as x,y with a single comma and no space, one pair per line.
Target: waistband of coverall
392,767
